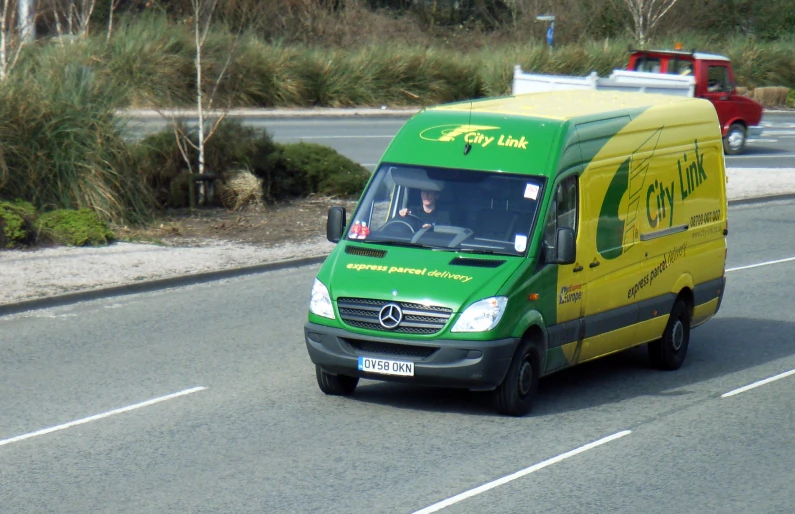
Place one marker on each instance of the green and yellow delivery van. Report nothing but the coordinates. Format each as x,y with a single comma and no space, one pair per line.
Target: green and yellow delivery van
502,240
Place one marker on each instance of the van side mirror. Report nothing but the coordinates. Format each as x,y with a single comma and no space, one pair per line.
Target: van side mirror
566,250
335,224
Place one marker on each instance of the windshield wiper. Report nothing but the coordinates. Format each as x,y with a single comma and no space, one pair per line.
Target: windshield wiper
399,243
479,251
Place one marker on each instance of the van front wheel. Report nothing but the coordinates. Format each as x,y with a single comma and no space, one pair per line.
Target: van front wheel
669,352
514,396
335,385
734,142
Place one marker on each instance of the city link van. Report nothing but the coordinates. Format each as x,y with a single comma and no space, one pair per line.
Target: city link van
502,240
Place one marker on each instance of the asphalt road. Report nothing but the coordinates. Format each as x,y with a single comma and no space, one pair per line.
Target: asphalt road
364,139
249,431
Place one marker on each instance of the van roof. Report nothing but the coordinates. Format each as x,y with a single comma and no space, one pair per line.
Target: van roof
533,133
566,105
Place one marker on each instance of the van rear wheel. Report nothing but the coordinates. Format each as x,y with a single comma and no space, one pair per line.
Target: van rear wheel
668,353
335,385
515,395
734,142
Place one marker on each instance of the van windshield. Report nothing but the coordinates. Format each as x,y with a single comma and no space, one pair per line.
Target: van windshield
448,209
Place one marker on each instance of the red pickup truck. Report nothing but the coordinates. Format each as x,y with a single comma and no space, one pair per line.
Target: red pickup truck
739,116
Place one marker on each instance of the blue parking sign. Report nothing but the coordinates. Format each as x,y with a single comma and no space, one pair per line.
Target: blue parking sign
551,33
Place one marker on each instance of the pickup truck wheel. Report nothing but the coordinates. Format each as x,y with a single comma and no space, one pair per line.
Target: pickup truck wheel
734,142
335,385
668,353
514,396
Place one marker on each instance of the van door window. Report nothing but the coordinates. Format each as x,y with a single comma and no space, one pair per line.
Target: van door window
563,212
718,79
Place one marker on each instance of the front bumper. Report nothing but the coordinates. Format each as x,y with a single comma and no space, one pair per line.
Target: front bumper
476,365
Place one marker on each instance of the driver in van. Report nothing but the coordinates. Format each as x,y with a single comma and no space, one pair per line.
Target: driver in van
427,213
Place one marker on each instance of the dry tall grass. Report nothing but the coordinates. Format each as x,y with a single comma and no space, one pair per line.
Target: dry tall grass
771,96
242,188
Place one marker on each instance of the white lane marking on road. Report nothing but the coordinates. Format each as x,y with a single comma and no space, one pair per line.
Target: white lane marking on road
777,124
519,474
757,384
768,263
774,133
752,141
95,417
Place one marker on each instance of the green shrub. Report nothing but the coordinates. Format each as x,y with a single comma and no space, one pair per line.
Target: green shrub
75,228
318,169
16,223
159,163
232,147
791,98
287,171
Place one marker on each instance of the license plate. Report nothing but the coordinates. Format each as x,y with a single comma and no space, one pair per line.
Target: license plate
386,367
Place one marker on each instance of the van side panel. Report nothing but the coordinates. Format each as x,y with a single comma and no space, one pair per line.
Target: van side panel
653,210
684,246
612,197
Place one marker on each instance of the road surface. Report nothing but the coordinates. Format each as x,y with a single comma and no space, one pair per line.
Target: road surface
203,399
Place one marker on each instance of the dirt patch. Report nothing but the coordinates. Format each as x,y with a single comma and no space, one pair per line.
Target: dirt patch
262,225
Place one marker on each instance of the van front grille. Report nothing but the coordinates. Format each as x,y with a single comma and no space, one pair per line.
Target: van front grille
417,319
365,252
391,349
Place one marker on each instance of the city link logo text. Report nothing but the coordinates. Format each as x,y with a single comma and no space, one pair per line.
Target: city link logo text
474,135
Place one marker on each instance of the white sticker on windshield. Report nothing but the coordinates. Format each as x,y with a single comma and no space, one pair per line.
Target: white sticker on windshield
520,243
531,191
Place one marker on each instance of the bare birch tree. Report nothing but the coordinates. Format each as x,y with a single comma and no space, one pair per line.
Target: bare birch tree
645,15
203,11
113,5
27,15
74,16
11,39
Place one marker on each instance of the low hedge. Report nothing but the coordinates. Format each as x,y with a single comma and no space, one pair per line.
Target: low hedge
17,220
75,228
287,170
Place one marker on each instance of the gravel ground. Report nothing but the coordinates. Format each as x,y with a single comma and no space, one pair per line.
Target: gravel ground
26,274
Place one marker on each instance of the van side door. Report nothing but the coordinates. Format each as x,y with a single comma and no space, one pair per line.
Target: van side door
565,334
617,157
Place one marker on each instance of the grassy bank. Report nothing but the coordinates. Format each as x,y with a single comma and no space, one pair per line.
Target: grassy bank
150,62
62,145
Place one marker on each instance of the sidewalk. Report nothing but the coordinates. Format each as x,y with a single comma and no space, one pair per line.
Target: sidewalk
62,275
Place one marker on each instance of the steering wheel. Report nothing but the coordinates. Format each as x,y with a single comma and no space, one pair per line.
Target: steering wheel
398,223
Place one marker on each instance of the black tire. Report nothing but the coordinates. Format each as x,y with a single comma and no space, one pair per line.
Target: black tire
335,385
734,142
669,352
515,395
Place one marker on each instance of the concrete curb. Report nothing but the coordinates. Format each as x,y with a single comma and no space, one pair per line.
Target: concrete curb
199,278
153,285
761,199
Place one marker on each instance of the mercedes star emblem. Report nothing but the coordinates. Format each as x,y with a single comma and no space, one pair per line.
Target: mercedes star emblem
390,316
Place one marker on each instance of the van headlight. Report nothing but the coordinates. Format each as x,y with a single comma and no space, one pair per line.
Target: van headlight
482,315
320,303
